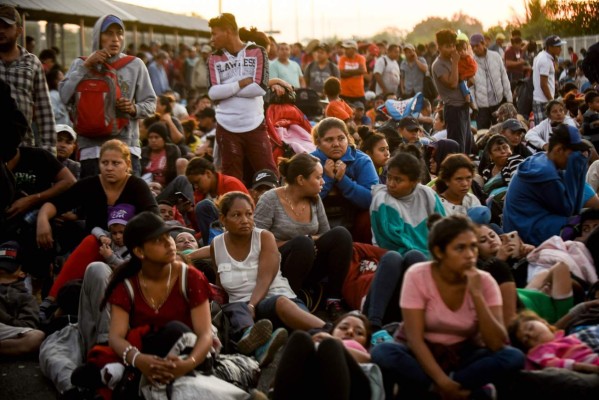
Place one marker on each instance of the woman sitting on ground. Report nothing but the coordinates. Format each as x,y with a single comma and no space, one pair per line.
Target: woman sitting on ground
248,268
160,299
400,209
455,183
453,323
537,138
295,215
326,366
349,174
161,162
376,147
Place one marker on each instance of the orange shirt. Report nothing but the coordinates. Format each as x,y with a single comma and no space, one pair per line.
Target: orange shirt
354,85
339,109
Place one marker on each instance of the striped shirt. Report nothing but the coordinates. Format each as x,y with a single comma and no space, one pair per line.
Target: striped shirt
562,352
27,81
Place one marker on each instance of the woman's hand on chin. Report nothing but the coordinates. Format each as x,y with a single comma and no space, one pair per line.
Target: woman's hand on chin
474,281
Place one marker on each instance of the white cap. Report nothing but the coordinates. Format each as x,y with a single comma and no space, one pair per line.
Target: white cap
65,128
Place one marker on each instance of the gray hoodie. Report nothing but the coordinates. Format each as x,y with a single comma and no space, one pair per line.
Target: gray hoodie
135,84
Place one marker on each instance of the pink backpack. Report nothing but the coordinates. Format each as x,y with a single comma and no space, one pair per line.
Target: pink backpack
93,108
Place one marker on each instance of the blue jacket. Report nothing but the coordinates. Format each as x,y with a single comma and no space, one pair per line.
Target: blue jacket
360,176
540,198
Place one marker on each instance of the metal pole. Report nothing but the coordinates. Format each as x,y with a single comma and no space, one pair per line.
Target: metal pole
220,7
62,57
270,15
81,36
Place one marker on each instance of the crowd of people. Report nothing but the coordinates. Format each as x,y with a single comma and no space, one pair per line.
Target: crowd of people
171,219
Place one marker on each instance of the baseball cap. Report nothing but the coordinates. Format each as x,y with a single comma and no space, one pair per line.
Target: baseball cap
409,123
358,105
500,36
206,49
569,137
461,37
479,214
374,50
349,44
409,46
513,125
65,128
265,177
477,38
110,20
223,20
10,15
120,214
9,256
143,227
369,95
554,41
323,46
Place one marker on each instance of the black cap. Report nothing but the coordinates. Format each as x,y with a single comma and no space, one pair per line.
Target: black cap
513,125
409,123
9,256
554,41
569,137
323,46
265,177
143,227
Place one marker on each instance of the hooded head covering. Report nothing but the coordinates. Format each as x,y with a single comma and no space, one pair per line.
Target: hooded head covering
101,25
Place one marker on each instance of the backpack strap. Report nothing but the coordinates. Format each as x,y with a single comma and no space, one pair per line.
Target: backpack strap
118,64
184,281
131,293
121,62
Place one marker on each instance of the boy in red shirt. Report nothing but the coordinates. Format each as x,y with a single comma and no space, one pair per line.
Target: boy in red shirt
208,185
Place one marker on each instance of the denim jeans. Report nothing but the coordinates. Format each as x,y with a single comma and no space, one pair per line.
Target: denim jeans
206,213
480,367
382,301
457,120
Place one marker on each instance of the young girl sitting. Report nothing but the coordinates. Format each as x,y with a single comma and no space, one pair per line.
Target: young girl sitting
548,347
325,366
399,209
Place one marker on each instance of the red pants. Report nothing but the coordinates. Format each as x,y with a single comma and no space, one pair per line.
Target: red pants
237,147
87,252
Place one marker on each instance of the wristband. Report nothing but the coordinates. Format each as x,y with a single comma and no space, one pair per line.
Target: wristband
134,357
127,350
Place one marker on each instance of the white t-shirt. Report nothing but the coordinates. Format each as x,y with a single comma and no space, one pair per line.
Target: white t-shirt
389,70
543,64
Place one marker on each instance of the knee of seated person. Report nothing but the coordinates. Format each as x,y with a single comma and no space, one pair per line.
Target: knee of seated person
511,358
33,340
414,256
391,258
330,345
204,205
97,271
176,326
303,244
385,354
181,164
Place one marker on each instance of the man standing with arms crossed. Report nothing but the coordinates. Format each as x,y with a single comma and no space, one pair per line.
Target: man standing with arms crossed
238,80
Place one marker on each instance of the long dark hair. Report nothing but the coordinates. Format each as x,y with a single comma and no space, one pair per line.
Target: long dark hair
126,270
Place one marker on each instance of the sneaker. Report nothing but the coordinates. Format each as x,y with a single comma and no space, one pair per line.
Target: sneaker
488,392
334,309
47,309
381,336
266,353
254,337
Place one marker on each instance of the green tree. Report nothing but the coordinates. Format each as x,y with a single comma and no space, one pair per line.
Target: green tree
390,35
573,18
424,31
536,24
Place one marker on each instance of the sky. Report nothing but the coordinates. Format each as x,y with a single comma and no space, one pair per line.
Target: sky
299,20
